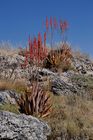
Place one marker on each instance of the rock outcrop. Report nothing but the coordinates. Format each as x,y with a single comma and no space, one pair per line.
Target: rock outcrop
22,127
10,67
83,64
60,87
8,97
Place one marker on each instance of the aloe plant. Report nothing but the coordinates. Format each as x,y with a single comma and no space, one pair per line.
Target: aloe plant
59,58
35,102
37,50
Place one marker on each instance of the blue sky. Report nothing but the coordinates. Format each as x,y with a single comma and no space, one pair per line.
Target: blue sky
19,18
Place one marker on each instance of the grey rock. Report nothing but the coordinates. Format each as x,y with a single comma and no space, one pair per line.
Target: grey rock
45,72
82,64
40,74
60,87
83,85
10,67
8,97
22,127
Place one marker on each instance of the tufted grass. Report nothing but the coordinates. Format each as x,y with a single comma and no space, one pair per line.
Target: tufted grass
10,108
18,86
71,117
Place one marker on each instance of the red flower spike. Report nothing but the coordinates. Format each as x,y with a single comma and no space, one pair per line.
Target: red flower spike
39,46
35,48
39,37
45,39
35,42
65,24
36,52
62,26
41,53
29,43
31,50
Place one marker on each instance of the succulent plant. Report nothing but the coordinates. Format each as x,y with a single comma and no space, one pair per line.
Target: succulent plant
59,58
36,102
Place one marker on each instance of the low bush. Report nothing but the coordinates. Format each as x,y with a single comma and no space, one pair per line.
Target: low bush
59,58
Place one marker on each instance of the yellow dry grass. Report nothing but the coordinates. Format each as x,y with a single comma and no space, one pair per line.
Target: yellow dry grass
71,115
18,86
8,52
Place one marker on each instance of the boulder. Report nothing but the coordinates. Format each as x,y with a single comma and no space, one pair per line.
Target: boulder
60,87
8,97
22,127
45,72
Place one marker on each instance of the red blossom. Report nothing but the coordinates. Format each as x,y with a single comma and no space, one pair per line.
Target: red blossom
37,51
30,49
35,48
39,46
35,42
45,39
39,37
65,24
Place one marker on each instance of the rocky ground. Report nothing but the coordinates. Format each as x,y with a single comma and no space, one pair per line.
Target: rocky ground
22,127
71,84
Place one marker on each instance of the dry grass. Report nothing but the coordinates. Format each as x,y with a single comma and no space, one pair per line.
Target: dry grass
78,54
8,52
18,86
72,117
7,49
10,108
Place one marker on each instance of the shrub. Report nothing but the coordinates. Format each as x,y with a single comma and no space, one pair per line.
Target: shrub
59,58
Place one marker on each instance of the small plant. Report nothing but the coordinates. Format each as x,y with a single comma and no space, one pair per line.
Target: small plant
36,102
59,58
